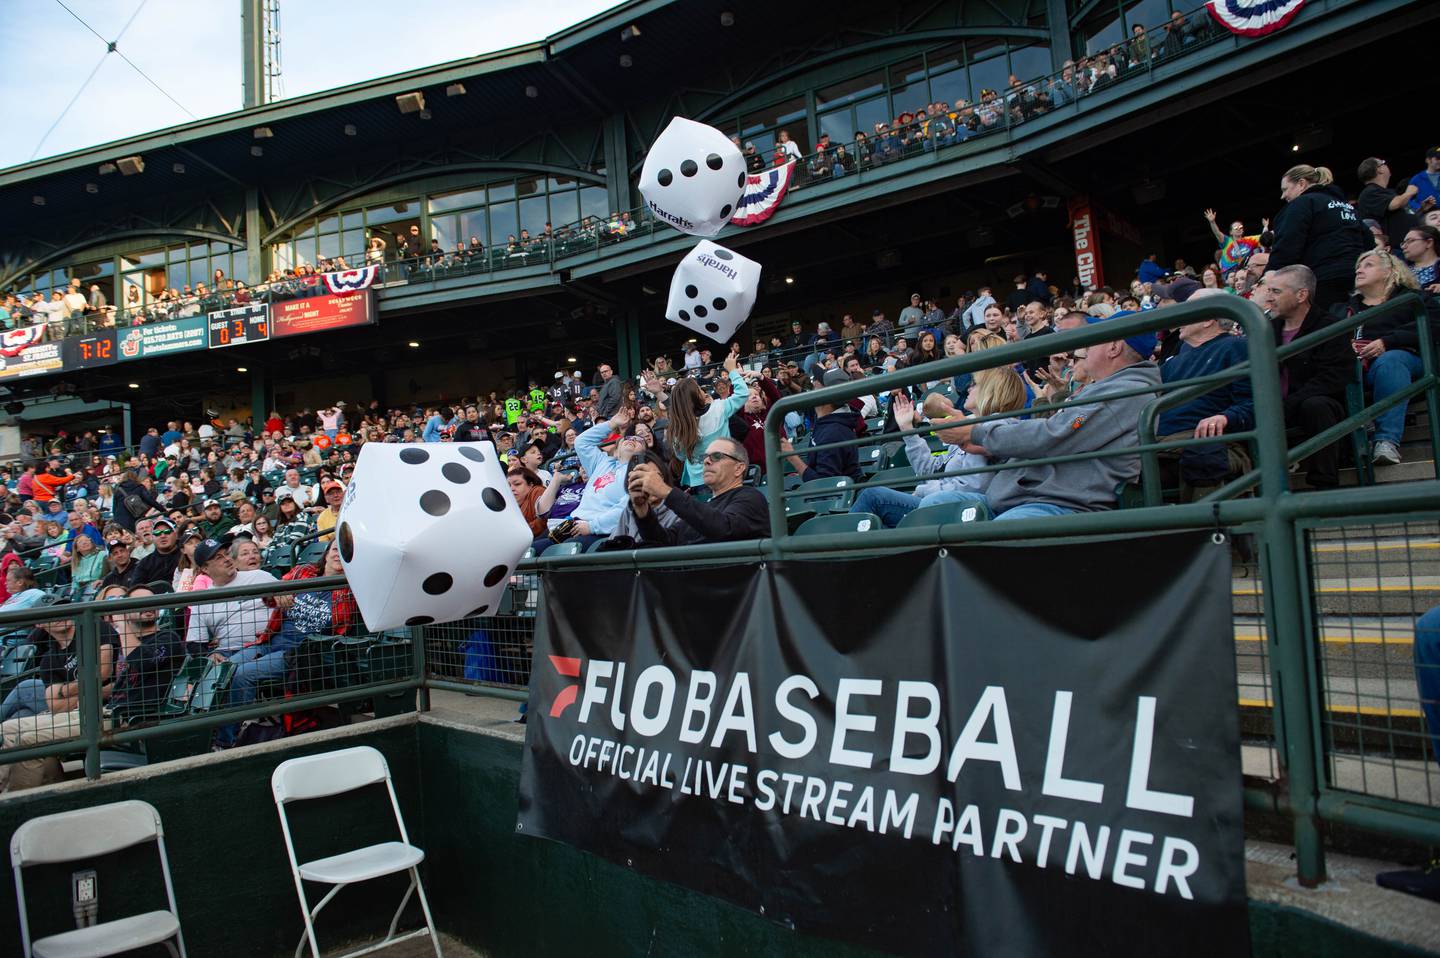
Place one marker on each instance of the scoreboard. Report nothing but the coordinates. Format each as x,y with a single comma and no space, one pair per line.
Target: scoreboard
238,326
98,348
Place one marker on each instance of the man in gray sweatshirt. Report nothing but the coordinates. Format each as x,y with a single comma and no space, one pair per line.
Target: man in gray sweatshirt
1092,422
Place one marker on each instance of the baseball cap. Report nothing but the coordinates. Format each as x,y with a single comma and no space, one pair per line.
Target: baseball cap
1142,343
834,377
208,550
115,544
329,484
284,493
1179,289
209,502
1433,151
162,523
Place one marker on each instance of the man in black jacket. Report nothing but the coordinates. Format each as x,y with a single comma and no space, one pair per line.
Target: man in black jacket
735,511
1312,381
832,424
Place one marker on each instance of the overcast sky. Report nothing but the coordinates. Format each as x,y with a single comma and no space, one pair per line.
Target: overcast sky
191,50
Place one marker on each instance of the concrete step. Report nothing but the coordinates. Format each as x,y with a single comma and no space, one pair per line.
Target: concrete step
1359,531
1390,556
1352,595
1407,470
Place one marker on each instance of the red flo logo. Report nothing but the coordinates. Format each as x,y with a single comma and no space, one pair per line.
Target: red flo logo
569,667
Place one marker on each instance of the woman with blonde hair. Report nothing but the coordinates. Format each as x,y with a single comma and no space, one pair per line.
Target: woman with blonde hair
1318,228
1389,347
993,391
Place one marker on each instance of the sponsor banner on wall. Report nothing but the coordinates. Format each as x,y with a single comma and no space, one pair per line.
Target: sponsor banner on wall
36,360
980,763
316,314
1087,244
157,339
14,341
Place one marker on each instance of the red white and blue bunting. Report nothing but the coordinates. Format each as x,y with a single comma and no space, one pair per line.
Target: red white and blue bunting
14,341
762,196
1254,18
351,280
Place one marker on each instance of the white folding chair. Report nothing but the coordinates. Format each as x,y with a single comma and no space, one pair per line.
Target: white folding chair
91,833
334,773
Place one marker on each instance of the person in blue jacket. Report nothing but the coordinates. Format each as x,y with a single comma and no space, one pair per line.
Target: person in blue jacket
696,419
604,498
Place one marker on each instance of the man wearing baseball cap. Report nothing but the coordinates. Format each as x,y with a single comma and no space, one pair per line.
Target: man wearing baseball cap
122,566
334,492
1095,424
159,566
214,523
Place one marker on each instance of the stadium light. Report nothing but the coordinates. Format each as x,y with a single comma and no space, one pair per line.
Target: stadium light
414,345
789,281
177,168
455,89
130,165
106,169
410,102
628,32
242,369
134,385
263,133
571,359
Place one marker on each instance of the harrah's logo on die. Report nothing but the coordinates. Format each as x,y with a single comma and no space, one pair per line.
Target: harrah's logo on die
714,263
679,221
570,668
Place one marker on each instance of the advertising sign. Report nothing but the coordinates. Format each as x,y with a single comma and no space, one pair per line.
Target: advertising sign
980,763
1087,244
158,339
296,317
36,360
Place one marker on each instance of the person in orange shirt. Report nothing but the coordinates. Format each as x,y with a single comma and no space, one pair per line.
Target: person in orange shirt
47,484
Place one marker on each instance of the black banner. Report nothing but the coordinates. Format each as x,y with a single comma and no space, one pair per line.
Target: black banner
995,751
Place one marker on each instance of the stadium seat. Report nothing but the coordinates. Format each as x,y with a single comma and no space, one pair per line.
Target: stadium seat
16,663
312,553
86,834
562,549
946,513
840,522
818,497
212,686
182,686
326,775
871,459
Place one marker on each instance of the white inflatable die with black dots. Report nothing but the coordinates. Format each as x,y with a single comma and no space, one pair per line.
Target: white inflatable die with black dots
693,177
429,533
712,291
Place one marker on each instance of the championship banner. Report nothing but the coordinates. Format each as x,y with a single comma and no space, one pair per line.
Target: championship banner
316,314
1087,243
14,341
1253,18
978,763
36,360
352,280
762,196
158,339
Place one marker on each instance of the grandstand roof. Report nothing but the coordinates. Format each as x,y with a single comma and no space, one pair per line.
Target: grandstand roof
577,69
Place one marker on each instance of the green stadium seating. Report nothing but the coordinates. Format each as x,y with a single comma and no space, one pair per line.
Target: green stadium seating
16,664
946,513
562,549
818,497
840,522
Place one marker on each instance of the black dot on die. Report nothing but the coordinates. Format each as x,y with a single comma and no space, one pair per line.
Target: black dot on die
689,168
723,253
495,575
714,161
719,303
691,292
455,472
437,584
478,612
493,499
435,502
664,177
740,180
347,542
712,327
725,212
474,455
419,620
701,311
684,316
414,456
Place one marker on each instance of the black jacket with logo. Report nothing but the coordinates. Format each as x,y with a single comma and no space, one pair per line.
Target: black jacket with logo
1321,230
